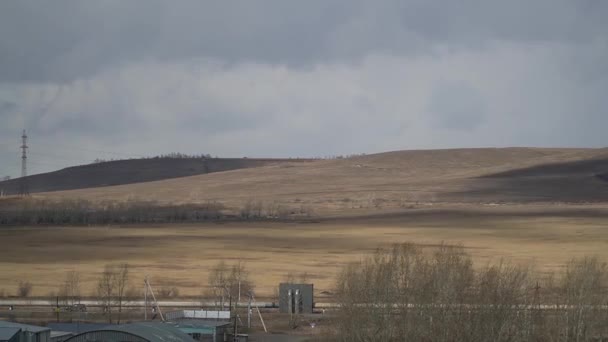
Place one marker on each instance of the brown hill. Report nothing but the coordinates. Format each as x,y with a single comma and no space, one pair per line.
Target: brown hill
132,171
388,180
573,181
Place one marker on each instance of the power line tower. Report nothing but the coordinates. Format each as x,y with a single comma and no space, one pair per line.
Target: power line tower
23,186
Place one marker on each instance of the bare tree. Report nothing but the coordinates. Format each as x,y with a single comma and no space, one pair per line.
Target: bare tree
121,279
229,282
70,289
217,282
238,281
405,293
24,289
111,288
106,291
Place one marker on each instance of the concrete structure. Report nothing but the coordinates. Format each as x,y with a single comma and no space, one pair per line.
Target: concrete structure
296,298
28,333
135,332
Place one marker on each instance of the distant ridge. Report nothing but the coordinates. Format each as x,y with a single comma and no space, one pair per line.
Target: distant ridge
131,171
387,181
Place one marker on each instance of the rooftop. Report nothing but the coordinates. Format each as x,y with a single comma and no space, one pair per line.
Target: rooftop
7,333
76,328
24,327
153,331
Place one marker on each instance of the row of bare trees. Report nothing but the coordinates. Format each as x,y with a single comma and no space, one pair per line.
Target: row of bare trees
111,289
409,294
32,211
228,283
257,209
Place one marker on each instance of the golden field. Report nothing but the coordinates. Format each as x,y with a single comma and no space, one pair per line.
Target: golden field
529,205
181,255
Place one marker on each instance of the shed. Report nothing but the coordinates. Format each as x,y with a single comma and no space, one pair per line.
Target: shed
135,332
29,333
296,298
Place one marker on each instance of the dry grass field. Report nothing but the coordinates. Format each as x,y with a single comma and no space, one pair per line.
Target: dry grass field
182,255
541,206
383,181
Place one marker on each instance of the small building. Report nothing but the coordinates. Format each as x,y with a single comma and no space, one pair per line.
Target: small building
135,332
28,333
296,298
9,334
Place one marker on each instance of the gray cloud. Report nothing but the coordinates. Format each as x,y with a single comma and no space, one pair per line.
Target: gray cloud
306,78
456,106
66,40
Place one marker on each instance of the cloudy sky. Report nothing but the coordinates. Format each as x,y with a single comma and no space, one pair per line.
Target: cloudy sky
279,78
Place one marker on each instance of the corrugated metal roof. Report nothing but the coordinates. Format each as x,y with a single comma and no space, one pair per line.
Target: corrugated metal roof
24,327
8,333
154,331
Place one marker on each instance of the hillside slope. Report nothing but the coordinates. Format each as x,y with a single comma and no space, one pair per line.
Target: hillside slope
132,171
382,181
572,181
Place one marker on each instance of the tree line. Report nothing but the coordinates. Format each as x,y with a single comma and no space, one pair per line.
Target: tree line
32,211
407,294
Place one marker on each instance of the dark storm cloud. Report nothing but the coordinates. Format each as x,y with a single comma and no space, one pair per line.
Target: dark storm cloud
299,78
65,40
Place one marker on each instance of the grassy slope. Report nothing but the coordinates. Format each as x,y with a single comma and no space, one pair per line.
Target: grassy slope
132,171
386,180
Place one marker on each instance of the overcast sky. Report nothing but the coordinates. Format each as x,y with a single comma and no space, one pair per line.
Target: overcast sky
113,79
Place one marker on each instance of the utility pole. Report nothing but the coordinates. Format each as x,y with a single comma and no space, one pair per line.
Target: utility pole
249,313
23,186
146,299
156,307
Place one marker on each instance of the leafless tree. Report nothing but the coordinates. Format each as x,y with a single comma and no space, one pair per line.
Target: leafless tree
217,281
121,279
111,288
70,289
229,282
407,293
24,289
106,290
